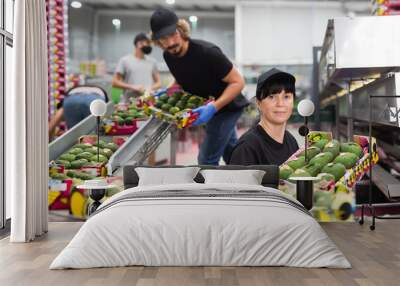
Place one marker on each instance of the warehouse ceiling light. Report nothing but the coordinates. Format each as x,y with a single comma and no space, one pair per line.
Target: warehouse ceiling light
76,4
116,22
170,2
193,19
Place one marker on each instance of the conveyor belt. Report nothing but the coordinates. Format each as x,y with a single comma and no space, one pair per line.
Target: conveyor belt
134,151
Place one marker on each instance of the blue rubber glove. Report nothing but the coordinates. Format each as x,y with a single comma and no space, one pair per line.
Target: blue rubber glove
160,91
206,112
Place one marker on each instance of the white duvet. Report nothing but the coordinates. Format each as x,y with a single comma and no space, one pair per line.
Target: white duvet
188,231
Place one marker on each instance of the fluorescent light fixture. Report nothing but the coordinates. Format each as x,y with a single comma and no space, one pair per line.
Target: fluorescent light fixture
116,22
193,19
76,4
170,2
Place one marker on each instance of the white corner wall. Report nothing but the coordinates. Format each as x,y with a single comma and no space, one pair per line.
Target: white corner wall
281,33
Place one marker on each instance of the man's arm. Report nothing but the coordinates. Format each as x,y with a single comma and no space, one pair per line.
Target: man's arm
56,120
118,81
235,85
156,80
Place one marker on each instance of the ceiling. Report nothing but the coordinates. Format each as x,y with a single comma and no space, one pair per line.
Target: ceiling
213,5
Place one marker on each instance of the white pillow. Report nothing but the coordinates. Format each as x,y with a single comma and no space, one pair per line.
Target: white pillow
248,177
166,176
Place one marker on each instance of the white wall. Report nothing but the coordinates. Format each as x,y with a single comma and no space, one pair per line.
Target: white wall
275,33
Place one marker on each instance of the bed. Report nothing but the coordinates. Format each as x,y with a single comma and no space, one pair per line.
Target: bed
201,224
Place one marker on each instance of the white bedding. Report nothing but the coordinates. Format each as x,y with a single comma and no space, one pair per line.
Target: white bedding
188,231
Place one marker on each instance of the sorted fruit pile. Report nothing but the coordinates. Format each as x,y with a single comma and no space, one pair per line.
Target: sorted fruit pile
323,158
174,105
85,154
127,117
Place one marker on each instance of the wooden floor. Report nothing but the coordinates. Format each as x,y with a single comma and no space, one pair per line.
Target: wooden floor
375,257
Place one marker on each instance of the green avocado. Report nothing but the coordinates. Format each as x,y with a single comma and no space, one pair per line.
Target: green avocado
322,158
191,106
297,163
336,169
347,159
112,146
299,173
352,148
59,176
65,163
101,144
68,157
83,146
180,104
85,155
174,110
284,172
321,143
311,152
102,158
333,147
77,164
75,151
163,98
129,120
313,169
172,101
166,107
159,104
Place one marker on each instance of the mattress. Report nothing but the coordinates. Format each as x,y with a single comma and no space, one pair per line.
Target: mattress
201,225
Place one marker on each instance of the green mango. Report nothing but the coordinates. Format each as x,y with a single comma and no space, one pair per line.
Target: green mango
297,163
284,172
333,147
180,104
68,157
336,169
92,150
352,148
347,159
321,143
311,152
322,158
191,106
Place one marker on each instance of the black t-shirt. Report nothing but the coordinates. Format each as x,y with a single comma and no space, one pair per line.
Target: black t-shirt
256,147
201,70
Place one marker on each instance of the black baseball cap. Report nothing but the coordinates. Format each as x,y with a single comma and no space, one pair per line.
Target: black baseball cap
163,23
140,37
272,75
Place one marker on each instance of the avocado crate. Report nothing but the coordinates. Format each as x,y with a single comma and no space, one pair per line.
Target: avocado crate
124,119
78,164
338,166
174,105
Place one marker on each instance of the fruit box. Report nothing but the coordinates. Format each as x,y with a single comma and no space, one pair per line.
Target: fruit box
173,105
113,128
334,199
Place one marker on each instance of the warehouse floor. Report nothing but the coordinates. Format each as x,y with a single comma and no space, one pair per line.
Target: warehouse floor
374,255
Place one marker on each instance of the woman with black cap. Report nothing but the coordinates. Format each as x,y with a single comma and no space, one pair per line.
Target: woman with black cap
137,72
269,143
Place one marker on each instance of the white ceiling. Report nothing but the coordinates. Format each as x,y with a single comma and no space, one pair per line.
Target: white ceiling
214,5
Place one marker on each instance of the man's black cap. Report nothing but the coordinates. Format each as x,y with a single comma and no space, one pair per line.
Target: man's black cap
140,37
163,23
273,75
